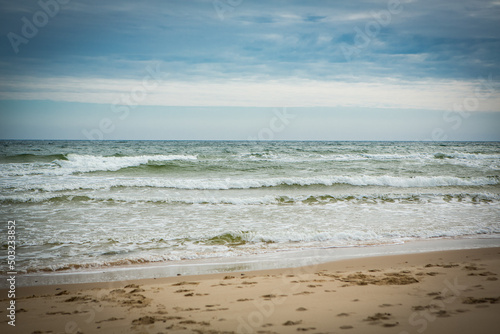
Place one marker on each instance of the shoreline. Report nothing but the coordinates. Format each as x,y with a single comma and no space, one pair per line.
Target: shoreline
267,261
436,292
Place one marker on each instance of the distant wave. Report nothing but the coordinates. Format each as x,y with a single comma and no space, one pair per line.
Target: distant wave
30,158
326,156
59,164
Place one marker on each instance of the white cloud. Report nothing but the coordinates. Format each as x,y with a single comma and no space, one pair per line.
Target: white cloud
369,93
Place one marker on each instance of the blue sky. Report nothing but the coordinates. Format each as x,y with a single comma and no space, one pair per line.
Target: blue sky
223,69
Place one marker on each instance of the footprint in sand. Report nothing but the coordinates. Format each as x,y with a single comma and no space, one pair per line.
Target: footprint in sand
110,319
303,293
441,314
269,296
447,266
248,283
390,324
131,286
385,305
378,316
117,291
471,267
147,320
425,307
472,300
78,299
185,283
60,312
346,327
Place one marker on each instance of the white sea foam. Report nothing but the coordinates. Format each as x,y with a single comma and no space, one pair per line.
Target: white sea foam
88,163
365,156
95,183
76,163
146,251
236,199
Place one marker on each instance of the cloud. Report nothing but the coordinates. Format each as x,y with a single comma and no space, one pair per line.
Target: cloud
429,54
297,92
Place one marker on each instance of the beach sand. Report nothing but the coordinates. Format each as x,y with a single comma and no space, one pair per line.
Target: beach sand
437,292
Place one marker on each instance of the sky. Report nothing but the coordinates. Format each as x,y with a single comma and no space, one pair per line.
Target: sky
250,69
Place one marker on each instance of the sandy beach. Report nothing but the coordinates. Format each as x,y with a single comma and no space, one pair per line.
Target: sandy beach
438,292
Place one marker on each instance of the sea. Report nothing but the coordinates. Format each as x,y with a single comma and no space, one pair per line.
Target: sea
84,205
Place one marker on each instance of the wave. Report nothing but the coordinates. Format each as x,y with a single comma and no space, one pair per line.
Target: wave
87,163
99,183
470,156
75,163
241,243
60,164
30,158
209,199
325,156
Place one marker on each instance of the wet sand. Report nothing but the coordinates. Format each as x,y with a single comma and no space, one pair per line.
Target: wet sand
438,292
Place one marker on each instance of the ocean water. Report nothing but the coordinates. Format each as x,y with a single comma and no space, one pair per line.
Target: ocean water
90,204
